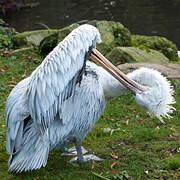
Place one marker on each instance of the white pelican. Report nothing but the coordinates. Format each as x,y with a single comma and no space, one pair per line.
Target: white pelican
64,97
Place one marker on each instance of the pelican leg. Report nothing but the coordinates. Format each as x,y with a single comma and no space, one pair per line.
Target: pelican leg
80,158
79,151
72,151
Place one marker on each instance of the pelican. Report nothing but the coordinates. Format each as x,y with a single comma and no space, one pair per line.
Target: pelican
59,103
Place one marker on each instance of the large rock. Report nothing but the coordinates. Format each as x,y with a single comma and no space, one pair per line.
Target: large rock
121,55
31,37
112,34
49,42
169,70
65,31
160,44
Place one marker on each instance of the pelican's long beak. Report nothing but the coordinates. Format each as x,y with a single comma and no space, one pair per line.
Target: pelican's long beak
134,87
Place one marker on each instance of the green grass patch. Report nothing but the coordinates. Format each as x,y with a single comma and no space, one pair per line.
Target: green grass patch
144,147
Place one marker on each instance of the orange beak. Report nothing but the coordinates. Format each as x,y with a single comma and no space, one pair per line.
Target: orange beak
98,58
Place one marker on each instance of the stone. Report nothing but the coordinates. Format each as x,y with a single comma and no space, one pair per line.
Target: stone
169,70
113,34
158,43
121,55
29,38
65,31
50,42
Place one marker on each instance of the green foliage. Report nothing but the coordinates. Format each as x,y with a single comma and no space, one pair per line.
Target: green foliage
6,36
173,163
5,42
146,149
157,43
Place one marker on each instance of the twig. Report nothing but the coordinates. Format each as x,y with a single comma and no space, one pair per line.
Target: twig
102,177
22,49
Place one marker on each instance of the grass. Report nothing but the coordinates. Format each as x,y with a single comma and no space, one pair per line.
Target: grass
132,144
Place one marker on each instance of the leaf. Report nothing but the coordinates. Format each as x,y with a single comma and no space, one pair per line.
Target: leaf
113,164
113,172
2,70
12,82
100,176
85,142
177,174
168,153
119,62
7,67
157,128
178,169
114,156
127,122
24,75
1,115
92,163
140,121
112,119
107,130
121,176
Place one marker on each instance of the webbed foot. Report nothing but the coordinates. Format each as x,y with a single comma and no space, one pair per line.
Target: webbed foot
72,151
86,158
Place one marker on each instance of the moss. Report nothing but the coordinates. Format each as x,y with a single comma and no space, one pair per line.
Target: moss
113,34
31,37
48,44
117,56
19,39
122,35
132,54
160,44
65,31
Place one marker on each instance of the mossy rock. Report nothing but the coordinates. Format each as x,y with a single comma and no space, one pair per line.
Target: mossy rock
65,31
51,41
31,37
48,43
160,44
113,34
132,54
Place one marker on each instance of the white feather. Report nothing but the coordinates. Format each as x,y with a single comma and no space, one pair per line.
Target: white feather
158,98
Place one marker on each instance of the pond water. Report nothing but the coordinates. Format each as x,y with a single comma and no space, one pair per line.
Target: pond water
147,17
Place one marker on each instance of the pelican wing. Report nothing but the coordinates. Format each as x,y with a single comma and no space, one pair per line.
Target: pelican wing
87,100
80,112
54,80
16,112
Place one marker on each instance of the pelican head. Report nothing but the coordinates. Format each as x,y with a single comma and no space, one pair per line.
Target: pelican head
151,89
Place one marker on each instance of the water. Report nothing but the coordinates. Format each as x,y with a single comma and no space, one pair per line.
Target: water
147,17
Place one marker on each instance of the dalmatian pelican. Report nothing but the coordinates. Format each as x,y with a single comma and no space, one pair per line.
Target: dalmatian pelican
59,103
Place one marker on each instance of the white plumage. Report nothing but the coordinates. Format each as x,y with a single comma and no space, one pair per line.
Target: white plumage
64,97
158,97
